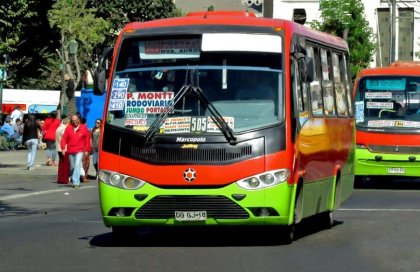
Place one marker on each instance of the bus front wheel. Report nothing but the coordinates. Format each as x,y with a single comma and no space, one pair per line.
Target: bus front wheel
289,235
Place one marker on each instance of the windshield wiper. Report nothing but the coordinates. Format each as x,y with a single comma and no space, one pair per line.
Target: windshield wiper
164,114
216,116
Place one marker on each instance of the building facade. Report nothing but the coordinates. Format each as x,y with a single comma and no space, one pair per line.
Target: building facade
403,45
379,15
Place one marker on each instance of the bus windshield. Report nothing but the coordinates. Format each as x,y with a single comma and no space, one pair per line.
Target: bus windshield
388,103
243,83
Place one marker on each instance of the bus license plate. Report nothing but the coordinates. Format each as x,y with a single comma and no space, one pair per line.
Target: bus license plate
396,170
190,216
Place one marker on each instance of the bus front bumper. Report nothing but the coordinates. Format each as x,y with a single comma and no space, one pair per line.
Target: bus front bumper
376,164
230,205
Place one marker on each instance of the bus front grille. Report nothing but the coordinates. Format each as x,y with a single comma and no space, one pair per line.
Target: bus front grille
217,207
395,149
203,155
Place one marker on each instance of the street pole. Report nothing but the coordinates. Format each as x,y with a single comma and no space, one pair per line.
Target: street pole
1,94
3,77
393,36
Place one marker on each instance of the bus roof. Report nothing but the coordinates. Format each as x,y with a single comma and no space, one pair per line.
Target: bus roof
402,63
396,68
236,18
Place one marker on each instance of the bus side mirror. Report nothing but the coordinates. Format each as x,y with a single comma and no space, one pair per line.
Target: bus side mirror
307,70
101,73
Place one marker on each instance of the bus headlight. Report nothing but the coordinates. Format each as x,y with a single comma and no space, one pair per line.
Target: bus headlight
253,182
115,179
120,180
264,180
131,183
104,175
267,178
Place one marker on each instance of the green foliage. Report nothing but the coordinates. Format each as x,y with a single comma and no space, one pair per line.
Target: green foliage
120,12
339,16
32,30
418,52
13,16
76,22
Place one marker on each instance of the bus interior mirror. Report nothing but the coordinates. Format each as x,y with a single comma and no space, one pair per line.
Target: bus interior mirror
99,82
307,69
301,47
101,74
224,76
299,51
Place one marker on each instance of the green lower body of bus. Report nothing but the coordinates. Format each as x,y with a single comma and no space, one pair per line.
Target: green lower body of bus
229,205
381,164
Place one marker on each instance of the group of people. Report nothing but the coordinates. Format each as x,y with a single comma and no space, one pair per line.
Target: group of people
11,131
75,145
69,138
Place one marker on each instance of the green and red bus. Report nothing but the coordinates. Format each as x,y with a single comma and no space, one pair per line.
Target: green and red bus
223,118
387,115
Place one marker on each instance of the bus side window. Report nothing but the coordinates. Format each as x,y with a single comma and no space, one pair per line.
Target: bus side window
316,102
345,77
340,91
327,83
299,105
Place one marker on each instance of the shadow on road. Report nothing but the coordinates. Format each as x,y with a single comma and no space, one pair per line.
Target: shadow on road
207,236
384,182
7,210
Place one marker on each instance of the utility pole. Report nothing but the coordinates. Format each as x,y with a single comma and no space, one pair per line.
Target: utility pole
393,36
3,77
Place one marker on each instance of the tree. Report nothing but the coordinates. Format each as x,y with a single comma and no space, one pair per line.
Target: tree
418,52
346,19
78,26
14,15
121,12
30,34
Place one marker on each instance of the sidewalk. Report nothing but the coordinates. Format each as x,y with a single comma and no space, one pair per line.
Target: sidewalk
14,163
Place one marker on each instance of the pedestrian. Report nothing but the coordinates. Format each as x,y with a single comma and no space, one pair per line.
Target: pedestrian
18,133
30,138
3,144
41,144
63,159
96,136
9,133
49,128
17,113
75,142
86,157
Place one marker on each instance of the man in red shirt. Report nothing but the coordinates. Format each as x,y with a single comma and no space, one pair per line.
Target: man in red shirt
50,126
75,142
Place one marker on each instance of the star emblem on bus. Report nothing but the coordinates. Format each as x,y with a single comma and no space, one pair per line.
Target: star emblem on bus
190,175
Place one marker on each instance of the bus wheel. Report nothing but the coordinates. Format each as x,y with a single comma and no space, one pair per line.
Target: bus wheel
327,219
289,235
290,231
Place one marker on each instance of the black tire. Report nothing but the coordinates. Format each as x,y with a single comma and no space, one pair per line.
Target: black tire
289,234
327,219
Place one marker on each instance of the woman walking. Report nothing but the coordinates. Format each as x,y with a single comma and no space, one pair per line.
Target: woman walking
63,159
84,177
96,135
49,128
30,138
